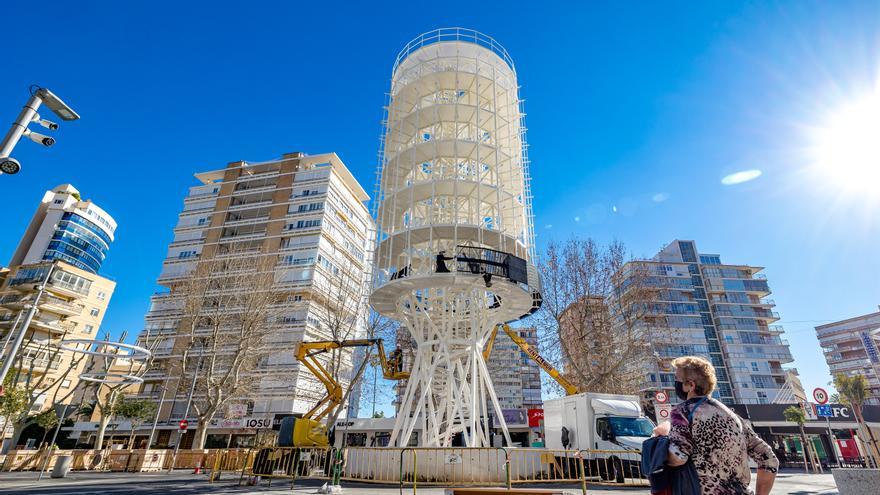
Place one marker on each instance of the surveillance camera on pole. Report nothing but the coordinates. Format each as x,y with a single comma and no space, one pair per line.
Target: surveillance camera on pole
39,96
39,138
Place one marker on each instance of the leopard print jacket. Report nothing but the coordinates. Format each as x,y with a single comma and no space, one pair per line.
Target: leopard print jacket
719,442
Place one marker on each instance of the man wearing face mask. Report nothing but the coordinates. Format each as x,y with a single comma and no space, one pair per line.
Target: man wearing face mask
717,441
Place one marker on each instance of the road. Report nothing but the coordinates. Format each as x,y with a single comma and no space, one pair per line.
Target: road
184,483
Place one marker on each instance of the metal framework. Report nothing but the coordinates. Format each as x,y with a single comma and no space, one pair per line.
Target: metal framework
455,235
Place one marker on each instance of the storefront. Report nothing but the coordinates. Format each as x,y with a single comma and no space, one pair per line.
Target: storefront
835,434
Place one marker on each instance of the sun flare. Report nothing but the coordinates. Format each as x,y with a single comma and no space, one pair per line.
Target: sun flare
847,146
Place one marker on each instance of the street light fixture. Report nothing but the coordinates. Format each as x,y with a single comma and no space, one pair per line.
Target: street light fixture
39,96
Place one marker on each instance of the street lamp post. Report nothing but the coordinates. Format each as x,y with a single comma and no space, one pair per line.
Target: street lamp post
28,114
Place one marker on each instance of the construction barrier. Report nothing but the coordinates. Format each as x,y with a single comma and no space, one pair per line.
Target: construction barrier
614,467
291,463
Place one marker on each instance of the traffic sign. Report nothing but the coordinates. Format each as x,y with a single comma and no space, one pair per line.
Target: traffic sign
824,411
663,412
820,395
183,424
661,397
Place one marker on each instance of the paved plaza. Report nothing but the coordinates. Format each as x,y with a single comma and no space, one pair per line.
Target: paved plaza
90,483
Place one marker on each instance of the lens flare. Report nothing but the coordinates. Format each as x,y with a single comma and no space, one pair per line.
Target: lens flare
740,177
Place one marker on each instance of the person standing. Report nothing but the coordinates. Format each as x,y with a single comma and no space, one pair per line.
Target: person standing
715,439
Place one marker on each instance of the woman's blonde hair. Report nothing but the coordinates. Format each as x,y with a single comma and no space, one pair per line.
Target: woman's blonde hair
698,370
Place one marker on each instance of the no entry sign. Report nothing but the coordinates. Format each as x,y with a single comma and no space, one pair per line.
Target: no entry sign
183,424
663,411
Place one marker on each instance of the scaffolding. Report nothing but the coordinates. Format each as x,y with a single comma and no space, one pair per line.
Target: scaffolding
455,236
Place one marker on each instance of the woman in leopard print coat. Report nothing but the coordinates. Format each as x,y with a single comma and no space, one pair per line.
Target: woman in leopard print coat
716,440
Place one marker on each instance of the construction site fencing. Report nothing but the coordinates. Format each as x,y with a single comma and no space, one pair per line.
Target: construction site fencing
291,463
425,466
614,467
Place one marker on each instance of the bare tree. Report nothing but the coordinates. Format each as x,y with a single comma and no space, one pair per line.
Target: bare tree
598,316
106,397
39,386
229,305
339,304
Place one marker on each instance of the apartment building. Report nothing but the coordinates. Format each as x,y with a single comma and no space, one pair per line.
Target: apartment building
64,245
307,215
517,378
721,312
66,228
851,347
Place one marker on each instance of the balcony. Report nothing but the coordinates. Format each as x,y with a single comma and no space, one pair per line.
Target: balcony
38,364
51,325
60,306
66,290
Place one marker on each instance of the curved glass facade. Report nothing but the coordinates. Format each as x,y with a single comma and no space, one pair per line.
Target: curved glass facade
80,242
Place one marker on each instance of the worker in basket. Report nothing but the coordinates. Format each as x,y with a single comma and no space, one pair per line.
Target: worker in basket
396,360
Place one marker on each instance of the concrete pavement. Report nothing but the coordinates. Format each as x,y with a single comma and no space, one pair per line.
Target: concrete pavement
184,483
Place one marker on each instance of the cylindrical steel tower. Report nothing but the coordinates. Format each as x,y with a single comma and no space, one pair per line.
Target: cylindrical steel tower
455,234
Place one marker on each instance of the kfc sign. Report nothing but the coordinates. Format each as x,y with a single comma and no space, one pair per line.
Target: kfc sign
536,416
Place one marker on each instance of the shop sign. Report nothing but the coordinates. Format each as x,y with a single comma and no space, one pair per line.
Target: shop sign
536,416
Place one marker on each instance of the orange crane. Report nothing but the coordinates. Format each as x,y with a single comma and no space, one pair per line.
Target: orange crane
530,351
309,430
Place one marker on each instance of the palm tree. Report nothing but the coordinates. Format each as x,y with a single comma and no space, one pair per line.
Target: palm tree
853,392
795,414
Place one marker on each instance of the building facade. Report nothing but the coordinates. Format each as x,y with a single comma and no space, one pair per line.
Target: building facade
851,347
65,245
516,376
306,214
72,306
721,312
66,228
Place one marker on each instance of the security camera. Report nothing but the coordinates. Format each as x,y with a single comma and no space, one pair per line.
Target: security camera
48,124
39,138
9,165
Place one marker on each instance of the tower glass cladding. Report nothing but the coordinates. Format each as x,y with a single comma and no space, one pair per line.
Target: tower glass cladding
68,229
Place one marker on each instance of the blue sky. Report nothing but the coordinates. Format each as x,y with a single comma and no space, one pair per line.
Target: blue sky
635,113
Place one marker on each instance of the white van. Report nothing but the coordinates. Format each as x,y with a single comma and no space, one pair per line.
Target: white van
611,424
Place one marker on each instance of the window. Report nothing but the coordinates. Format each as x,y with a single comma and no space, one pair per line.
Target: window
59,201
65,383
202,221
304,224
754,366
88,329
95,312
101,296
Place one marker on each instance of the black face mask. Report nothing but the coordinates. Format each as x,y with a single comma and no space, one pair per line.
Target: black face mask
679,390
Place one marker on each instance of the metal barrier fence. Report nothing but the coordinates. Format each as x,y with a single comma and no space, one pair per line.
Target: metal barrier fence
290,463
457,466
413,466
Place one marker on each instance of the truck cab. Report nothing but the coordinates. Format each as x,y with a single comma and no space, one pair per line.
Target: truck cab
610,427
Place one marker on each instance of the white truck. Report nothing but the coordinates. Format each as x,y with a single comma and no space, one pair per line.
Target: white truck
611,426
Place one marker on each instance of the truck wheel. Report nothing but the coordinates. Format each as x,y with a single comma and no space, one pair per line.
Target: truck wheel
616,466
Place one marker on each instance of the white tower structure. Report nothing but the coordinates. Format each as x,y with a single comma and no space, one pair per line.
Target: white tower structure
455,231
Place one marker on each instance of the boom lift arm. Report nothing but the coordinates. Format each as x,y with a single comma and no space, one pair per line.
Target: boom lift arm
570,389
309,430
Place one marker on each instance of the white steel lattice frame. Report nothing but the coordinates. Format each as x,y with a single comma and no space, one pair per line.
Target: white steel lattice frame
453,178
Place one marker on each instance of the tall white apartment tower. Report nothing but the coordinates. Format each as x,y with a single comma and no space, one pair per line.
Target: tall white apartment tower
305,213
454,252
